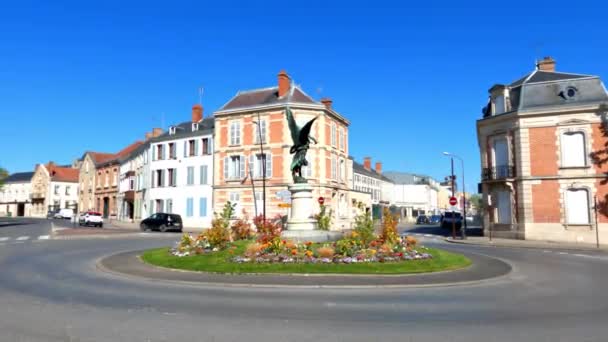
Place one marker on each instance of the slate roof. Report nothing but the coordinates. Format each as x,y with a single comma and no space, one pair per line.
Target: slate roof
538,76
266,96
19,177
184,130
135,152
360,169
407,178
62,174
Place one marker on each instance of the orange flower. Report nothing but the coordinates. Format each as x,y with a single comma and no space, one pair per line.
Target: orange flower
294,251
309,253
308,243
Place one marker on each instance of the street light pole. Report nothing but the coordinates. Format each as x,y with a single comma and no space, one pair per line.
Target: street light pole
263,158
464,195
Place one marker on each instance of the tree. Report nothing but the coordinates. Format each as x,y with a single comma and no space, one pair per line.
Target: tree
476,202
3,176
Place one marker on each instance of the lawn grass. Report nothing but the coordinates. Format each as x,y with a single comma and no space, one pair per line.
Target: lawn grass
219,262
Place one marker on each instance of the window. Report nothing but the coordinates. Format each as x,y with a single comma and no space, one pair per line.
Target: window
206,146
160,152
169,206
194,126
172,173
56,189
573,149
172,151
307,171
235,133
189,207
234,167
577,206
67,190
106,179
342,170
501,158
172,130
203,175
202,207
190,180
259,130
235,199
159,206
341,141
158,180
192,148
86,167
334,167
256,161
499,104
131,183
114,177
333,134
503,205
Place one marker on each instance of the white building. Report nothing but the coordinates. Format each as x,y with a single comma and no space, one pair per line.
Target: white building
15,195
372,182
181,171
54,187
134,184
413,194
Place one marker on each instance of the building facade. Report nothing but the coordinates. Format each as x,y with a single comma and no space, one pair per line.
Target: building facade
15,194
87,178
134,184
181,171
543,143
371,181
257,117
412,195
54,187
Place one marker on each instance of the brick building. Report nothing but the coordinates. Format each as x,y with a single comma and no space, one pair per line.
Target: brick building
238,158
543,152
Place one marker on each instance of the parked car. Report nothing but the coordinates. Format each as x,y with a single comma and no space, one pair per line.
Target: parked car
162,222
91,218
435,219
422,219
65,214
450,217
51,214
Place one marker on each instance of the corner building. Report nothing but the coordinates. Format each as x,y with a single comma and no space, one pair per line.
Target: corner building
238,158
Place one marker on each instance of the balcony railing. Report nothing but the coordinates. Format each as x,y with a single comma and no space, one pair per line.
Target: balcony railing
498,172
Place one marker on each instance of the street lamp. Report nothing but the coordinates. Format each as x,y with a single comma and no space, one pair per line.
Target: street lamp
263,158
464,192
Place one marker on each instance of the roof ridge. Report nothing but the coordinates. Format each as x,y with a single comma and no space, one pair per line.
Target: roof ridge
567,73
256,89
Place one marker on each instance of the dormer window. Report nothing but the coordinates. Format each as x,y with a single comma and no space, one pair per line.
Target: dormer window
194,126
172,130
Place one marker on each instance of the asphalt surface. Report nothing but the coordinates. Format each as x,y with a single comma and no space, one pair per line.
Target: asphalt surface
51,290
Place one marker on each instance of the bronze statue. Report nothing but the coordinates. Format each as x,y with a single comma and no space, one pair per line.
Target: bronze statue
301,141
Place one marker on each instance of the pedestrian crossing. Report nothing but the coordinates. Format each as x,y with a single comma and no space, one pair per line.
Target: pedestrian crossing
22,239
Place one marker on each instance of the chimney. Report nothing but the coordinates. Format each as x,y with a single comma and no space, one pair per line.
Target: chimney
148,135
546,64
197,113
284,83
378,167
367,163
327,102
156,132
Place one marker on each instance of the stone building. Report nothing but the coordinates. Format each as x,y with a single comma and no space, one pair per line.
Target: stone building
542,141
54,187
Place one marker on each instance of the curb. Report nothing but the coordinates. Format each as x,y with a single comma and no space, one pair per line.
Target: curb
99,264
491,244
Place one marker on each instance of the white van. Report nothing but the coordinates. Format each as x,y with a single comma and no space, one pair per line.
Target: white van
65,214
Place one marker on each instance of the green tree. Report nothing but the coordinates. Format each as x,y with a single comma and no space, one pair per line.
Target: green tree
3,176
476,202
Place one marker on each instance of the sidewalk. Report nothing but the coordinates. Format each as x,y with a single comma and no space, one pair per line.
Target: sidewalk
497,242
115,224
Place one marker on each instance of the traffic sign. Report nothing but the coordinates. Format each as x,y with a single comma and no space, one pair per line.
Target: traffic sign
321,200
284,205
453,201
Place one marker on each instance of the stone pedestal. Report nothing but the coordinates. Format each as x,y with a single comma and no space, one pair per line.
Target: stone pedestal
301,225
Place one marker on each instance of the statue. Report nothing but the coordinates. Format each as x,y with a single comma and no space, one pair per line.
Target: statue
301,141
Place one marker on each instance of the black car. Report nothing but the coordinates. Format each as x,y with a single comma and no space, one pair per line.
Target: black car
422,219
162,222
449,220
435,219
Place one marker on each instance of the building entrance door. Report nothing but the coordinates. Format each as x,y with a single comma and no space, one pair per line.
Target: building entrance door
20,209
106,207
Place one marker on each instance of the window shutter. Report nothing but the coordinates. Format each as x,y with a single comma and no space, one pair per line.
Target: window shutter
268,165
226,166
185,149
153,177
151,208
174,177
162,177
242,167
196,147
252,166
154,153
174,152
202,210
209,146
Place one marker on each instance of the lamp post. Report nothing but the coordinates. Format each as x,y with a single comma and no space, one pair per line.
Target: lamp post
263,159
464,194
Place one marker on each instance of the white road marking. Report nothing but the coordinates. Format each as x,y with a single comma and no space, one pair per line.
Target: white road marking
581,255
5,238
546,251
22,238
562,253
428,235
44,237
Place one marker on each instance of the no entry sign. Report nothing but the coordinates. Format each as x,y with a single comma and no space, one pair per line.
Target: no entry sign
321,200
453,201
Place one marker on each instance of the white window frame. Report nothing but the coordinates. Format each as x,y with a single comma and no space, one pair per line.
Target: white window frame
333,134
255,162
563,149
334,167
235,133
568,218
264,128
230,171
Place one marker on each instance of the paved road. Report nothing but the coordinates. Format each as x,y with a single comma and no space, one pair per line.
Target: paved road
51,291
23,230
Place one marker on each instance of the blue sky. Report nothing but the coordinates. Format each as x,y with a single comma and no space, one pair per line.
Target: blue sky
412,80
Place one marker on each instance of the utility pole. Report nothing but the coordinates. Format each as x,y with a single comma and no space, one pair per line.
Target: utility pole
263,159
255,202
453,211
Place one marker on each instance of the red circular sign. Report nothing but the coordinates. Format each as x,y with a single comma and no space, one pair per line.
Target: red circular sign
453,200
321,200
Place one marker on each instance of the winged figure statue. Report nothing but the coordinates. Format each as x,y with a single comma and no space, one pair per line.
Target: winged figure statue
301,141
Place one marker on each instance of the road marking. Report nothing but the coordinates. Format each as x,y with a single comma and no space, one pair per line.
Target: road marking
44,237
22,238
562,253
546,251
581,255
428,235
5,238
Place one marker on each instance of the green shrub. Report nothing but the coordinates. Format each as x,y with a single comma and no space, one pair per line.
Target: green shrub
364,227
324,218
